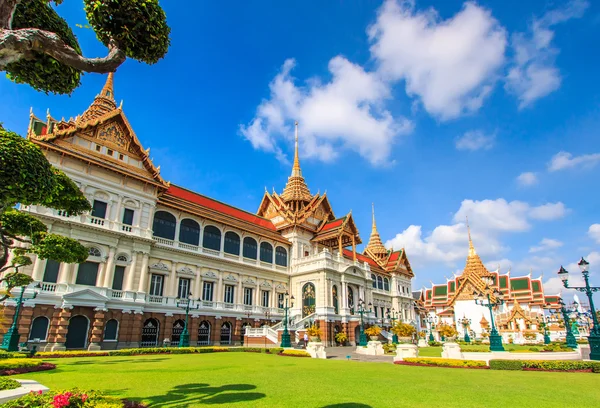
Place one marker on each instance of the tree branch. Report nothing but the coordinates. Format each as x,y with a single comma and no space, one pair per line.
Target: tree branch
18,44
7,11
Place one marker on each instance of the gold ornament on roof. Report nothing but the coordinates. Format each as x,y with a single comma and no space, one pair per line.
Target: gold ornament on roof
103,103
296,188
375,246
474,266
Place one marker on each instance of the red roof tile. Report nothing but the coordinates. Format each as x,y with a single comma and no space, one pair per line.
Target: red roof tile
333,224
394,256
361,257
219,206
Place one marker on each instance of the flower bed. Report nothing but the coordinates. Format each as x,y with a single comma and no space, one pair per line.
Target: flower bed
12,354
62,354
546,365
8,384
443,362
71,399
157,350
294,353
22,366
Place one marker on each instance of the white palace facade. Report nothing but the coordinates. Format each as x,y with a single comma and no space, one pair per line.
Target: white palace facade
151,243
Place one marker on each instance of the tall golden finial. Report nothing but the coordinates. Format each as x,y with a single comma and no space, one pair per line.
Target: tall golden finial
373,225
108,89
296,171
296,188
104,101
471,247
375,246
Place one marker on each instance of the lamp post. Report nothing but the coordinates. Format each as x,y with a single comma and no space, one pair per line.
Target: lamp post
362,310
285,336
594,337
571,341
544,326
393,318
248,314
431,320
267,318
184,338
10,341
465,325
495,338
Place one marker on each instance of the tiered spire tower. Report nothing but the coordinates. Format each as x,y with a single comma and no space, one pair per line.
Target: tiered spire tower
474,264
103,103
375,246
296,188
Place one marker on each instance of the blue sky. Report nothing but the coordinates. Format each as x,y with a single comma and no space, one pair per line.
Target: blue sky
434,111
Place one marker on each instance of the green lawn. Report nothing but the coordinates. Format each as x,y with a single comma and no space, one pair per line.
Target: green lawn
259,380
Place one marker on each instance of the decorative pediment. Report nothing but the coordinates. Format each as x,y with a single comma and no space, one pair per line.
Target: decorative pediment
86,295
249,281
160,266
231,278
280,286
209,274
266,284
186,270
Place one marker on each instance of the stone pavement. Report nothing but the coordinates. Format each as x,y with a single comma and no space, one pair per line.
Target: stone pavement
341,353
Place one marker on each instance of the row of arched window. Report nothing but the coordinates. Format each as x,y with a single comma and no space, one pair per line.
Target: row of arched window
40,325
380,283
189,233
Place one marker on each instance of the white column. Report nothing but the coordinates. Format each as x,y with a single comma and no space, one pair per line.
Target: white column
344,302
110,268
258,295
197,293
64,273
143,286
239,299
131,272
38,269
220,289
172,286
101,272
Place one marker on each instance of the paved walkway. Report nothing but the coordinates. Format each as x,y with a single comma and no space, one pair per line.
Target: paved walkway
342,353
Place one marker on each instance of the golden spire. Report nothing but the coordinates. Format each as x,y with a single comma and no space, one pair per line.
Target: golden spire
104,102
471,247
296,188
474,264
375,246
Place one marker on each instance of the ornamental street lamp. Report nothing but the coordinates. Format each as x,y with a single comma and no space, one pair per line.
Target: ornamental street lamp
544,326
495,338
566,312
184,338
267,318
465,324
594,337
393,316
431,320
10,341
362,310
285,336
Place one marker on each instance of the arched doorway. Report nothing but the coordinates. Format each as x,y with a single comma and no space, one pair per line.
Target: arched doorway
243,333
178,326
204,333
150,333
308,299
226,333
77,332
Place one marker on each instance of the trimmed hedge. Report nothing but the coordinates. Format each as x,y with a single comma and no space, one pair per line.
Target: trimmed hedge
445,362
13,354
157,350
8,384
294,353
61,354
546,365
10,363
21,366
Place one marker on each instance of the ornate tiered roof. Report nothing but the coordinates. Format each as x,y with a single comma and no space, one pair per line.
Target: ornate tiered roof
103,103
296,189
375,247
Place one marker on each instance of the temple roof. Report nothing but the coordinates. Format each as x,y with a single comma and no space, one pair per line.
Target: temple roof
296,188
474,266
103,103
375,246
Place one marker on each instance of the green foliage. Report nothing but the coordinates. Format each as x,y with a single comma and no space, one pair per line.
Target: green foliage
506,365
12,354
447,331
26,177
8,384
43,72
12,363
435,343
75,398
402,329
155,350
295,353
446,362
313,331
556,347
67,196
341,337
59,248
17,223
373,331
389,348
16,279
138,26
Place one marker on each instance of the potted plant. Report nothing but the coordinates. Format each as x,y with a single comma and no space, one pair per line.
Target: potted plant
314,333
404,331
373,332
341,338
447,332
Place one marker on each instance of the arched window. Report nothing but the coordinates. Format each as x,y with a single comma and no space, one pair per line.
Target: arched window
189,232
280,256
77,332
250,248
374,278
334,294
164,225
212,238
308,299
226,333
111,330
351,300
204,333
266,252
39,328
386,284
178,326
232,243
122,258
150,333
93,251
379,282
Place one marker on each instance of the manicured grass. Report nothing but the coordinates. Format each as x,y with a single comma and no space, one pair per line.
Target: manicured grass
259,380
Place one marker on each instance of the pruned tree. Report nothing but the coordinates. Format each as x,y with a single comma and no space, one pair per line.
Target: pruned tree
27,178
37,46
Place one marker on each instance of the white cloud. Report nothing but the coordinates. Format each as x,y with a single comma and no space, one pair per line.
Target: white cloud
565,160
527,179
545,245
450,65
550,211
475,140
554,285
346,112
533,74
594,232
497,215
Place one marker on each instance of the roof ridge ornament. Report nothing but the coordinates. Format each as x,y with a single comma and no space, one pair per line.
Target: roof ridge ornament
104,102
296,189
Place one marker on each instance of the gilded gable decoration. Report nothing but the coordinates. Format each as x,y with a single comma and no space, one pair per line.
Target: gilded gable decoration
113,133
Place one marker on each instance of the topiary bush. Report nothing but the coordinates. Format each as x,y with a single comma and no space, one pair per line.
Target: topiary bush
294,353
445,362
42,70
515,365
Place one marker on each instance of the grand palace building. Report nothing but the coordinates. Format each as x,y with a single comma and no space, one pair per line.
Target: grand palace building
152,243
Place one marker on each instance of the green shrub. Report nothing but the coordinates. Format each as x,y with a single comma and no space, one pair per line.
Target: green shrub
446,362
389,347
12,363
275,350
295,353
534,349
8,384
506,364
13,354
435,343
473,350
562,365
93,399
61,354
